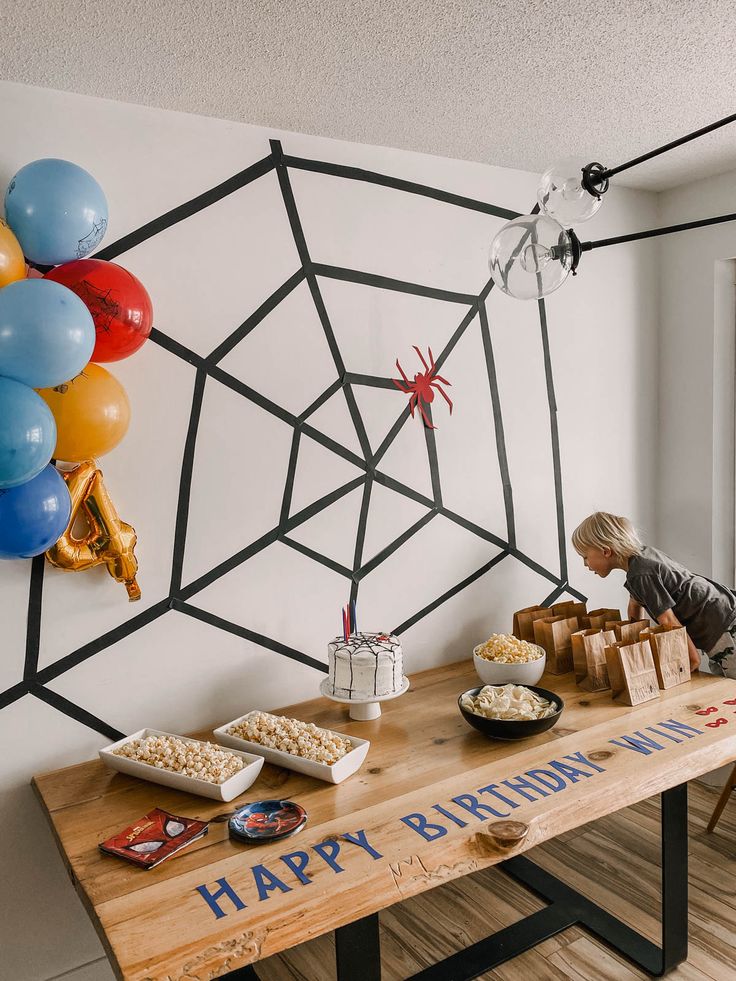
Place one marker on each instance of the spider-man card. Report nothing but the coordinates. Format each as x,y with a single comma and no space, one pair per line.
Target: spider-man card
155,837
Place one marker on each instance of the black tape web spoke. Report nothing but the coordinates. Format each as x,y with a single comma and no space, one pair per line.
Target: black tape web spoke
33,627
34,680
73,711
301,246
185,482
554,433
360,537
503,463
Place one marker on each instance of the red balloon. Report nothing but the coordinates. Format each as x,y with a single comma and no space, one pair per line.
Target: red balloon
118,301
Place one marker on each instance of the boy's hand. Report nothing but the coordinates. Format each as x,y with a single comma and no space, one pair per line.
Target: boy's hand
669,619
635,610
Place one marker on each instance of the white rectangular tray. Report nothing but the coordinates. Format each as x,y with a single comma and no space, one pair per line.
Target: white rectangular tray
335,773
232,787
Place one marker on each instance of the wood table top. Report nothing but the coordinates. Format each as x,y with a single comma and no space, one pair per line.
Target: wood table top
434,800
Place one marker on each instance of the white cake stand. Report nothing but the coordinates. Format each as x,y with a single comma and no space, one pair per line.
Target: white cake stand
364,709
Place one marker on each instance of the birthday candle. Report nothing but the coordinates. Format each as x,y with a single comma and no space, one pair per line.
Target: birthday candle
345,626
353,616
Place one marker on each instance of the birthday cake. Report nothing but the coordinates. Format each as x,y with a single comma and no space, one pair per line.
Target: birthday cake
364,666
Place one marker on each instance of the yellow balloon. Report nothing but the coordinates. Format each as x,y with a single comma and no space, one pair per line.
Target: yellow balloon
12,263
91,412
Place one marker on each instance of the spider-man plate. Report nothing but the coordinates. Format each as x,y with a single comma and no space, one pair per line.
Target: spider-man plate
267,820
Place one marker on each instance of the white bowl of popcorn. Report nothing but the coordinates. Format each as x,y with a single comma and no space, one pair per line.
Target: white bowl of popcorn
504,659
191,765
296,745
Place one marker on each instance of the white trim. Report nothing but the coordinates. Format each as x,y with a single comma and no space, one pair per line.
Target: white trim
723,527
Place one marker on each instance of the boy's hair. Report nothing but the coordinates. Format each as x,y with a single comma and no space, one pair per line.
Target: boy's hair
604,530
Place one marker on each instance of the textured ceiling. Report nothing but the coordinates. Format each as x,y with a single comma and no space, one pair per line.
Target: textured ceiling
513,83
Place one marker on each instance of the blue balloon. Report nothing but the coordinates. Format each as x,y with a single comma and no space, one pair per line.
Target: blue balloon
47,334
57,210
27,433
34,515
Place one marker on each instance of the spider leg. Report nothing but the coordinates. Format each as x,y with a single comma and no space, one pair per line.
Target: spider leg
426,366
427,423
431,358
400,387
439,378
444,395
413,403
406,380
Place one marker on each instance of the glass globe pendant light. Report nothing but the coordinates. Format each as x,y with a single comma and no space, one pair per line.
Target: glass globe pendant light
532,256
572,191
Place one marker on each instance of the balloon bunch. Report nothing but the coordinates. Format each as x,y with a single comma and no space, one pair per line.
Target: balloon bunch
57,403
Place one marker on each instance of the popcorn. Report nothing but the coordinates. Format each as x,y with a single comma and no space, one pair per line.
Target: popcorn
292,736
203,761
506,649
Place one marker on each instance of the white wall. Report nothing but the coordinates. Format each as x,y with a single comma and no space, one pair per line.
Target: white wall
695,520
205,276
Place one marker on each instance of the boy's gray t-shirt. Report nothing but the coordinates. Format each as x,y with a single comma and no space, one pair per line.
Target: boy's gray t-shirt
659,583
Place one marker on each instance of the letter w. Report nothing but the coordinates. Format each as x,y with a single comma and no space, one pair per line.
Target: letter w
643,744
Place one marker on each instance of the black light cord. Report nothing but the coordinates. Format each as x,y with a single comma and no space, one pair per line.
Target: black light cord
654,232
595,175
607,174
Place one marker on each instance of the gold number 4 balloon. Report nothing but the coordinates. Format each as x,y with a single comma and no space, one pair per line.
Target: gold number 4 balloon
108,539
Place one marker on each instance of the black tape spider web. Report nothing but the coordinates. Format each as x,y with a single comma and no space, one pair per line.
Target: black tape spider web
35,681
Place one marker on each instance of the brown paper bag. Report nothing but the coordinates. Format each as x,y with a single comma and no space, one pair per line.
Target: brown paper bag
599,618
553,634
627,631
670,653
631,672
568,608
589,658
524,621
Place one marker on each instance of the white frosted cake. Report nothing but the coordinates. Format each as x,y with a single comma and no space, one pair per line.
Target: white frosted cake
367,666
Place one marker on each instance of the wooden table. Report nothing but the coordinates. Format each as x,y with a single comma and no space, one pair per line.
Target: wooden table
434,801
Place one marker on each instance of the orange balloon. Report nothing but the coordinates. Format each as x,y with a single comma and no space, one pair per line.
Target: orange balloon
12,263
91,412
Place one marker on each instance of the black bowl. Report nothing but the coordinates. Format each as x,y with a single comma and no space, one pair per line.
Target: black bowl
512,728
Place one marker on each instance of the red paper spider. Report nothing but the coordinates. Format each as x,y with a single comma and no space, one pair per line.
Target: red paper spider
421,388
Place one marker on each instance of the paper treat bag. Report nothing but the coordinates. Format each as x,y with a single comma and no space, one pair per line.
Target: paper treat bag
524,621
670,653
627,630
589,658
631,672
568,608
599,618
553,634
571,608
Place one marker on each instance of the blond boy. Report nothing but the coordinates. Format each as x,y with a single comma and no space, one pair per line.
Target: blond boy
663,589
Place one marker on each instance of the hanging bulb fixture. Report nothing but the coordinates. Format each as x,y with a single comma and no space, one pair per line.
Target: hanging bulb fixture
532,256
571,191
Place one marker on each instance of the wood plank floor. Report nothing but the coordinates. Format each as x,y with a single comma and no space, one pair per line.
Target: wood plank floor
614,861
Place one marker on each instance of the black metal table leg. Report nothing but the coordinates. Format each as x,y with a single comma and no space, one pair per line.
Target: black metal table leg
358,950
654,959
568,907
674,877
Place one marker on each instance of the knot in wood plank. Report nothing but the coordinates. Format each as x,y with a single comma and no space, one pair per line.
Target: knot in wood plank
507,833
